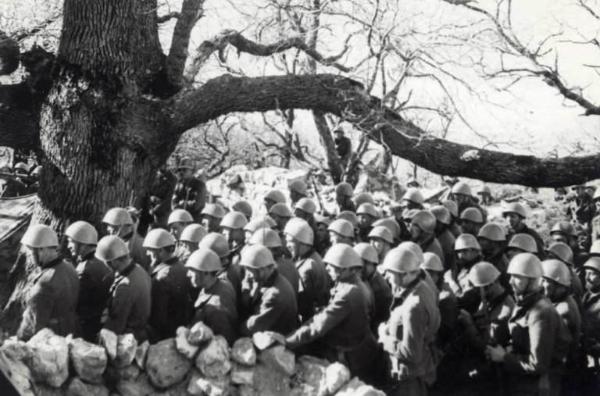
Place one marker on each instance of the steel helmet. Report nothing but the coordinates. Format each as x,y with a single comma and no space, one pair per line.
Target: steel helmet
234,220
22,166
204,260
425,220
39,236
349,216
344,189
366,252
275,196
524,242
341,255
363,197
563,227
117,217
180,216
214,210
256,256
483,274
493,232
193,233
466,241
556,271
462,188
82,232
561,251
441,213
281,210
298,186
266,237
158,239
368,209
216,242
593,263
432,262
383,233
472,214
413,195
300,230
243,207
451,206
342,227
391,224
111,247
515,207
484,189
525,264
595,248
306,205
320,219
413,247
401,260
255,224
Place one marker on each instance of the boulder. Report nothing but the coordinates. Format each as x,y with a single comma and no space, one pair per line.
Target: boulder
358,388
16,349
17,370
208,386
164,365
310,375
213,360
79,388
114,374
243,352
279,358
137,387
336,375
269,382
183,345
242,375
140,354
246,390
264,339
89,360
49,361
199,334
109,341
126,349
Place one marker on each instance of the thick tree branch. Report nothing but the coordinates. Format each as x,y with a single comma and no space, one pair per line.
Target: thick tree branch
347,98
168,17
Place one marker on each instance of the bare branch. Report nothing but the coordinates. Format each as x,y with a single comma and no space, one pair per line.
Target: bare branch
168,17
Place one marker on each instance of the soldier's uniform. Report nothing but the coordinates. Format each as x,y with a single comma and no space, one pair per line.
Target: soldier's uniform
382,294
434,246
286,268
590,312
313,289
129,302
234,274
216,307
446,240
52,301
95,279
137,251
190,195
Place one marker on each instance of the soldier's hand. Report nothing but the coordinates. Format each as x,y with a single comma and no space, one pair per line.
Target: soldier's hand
495,354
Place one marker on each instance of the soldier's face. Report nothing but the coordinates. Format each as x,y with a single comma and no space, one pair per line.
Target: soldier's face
154,255
514,220
378,244
336,274
292,246
592,279
520,284
559,237
175,229
74,247
322,233
364,220
550,288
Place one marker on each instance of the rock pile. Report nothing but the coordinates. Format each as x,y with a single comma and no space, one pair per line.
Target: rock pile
195,362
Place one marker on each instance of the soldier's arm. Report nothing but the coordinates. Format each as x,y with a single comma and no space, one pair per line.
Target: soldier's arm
120,309
269,313
39,310
161,299
410,347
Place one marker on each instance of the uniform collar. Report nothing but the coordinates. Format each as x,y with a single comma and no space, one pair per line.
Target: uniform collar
127,270
52,263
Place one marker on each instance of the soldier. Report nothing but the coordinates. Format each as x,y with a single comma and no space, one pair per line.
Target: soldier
521,243
298,190
305,209
422,230
273,197
393,227
453,209
313,289
343,197
563,252
118,222
590,309
381,239
413,199
492,239
268,300
211,217
322,240
462,195
160,197
468,253
343,147
367,215
342,327
538,337
232,228
52,299
408,337
341,231
171,289
443,234
178,220
95,277
188,241
128,307
563,231
281,214
216,305
257,223
485,194
470,221
515,214
231,271
584,209
382,294
189,193
363,197
244,207
595,225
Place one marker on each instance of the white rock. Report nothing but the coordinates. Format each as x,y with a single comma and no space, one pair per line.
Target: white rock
183,345
126,350
242,375
116,374
79,388
164,365
264,339
138,387
208,386
213,360
358,388
140,354
199,334
89,360
243,352
310,374
279,358
49,362
109,341
336,375
20,375
269,382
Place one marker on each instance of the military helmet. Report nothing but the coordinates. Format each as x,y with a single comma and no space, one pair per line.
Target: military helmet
256,256
483,274
413,195
243,207
473,215
180,216
556,271
342,256
515,207
266,237
275,196
593,263
193,233
413,247
281,210
525,264
462,188
39,236
110,248
158,239
383,233
366,252
306,205
466,241
300,230
344,189
205,260
425,220
451,206
216,242
561,251
117,217
368,209
563,227
349,216
213,210
432,262
363,197
493,232
523,242
401,259
391,224
82,232
442,214
234,220
299,186
342,227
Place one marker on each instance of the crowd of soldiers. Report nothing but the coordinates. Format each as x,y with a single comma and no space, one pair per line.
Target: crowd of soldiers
413,298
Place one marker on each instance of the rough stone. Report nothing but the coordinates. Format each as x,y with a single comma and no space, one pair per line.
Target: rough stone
269,382
310,375
213,360
137,387
242,375
140,354
164,365
115,374
79,388
279,358
243,352
109,341
358,388
89,360
126,349
200,333
13,366
183,345
208,386
246,390
49,362
336,375
264,339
